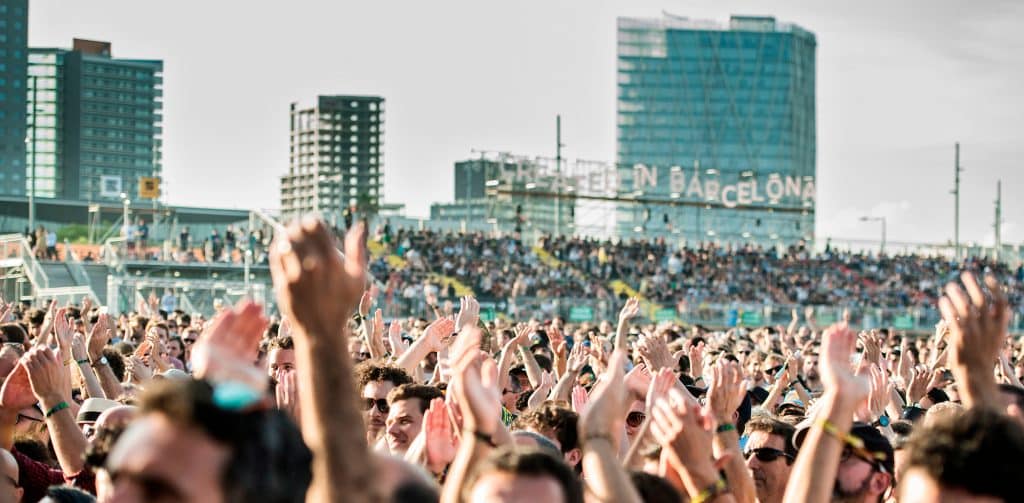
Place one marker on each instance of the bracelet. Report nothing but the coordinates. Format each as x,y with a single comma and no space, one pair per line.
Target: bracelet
483,437
57,408
833,430
67,363
590,437
83,360
724,427
719,487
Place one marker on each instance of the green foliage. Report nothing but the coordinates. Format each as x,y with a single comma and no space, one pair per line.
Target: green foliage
75,233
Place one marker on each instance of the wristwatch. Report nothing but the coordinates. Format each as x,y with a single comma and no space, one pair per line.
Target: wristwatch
882,421
101,361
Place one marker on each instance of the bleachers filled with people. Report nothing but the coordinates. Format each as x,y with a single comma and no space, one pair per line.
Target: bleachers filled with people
329,400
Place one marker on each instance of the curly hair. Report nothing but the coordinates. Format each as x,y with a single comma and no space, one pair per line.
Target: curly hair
409,391
370,371
979,451
285,342
550,418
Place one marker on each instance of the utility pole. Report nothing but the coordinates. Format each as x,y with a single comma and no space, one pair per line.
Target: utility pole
956,202
558,174
999,217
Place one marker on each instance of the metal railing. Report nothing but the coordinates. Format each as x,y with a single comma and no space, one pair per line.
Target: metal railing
14,247
578,310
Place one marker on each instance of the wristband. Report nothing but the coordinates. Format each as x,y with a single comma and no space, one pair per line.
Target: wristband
83,360
724,427
719,487
597,436
57,408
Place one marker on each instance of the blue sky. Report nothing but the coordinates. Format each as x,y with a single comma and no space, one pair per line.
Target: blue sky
898,83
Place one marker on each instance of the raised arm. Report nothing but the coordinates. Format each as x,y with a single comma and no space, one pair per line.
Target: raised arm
814,472
97,340
977,331
628,312
724,397
601,427
431,341
319,291
51,386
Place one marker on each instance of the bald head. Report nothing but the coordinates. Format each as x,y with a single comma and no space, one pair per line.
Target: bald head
9,490
117,417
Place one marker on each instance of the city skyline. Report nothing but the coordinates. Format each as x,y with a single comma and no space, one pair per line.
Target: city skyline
894,92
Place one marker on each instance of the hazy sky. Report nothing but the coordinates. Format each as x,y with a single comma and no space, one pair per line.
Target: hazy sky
898,83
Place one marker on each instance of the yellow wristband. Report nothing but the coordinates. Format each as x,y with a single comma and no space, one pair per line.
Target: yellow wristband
718,488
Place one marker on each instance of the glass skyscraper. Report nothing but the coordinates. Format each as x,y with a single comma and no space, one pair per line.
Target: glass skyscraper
97,121
716,130
13,58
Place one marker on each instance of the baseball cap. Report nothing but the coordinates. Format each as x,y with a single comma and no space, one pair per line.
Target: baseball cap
875,445
92,408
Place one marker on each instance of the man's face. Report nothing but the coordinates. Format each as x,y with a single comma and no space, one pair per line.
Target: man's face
917,487
357,350
281,360
856,480
375,419
32,423
770,477
811,366
404,422
156,460
634,419
506,487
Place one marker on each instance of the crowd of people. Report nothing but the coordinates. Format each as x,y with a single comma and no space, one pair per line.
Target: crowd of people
329,401
506,267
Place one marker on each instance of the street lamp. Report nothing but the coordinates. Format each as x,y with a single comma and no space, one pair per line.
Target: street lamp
881,248
127,203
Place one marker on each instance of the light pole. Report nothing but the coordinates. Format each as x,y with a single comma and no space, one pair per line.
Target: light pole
881,249
127,203
32,172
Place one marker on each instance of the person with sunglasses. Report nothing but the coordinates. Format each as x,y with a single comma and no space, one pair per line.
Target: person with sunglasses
374,381
769,453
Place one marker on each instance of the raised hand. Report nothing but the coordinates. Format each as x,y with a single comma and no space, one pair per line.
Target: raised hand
685,435
441,444
62,329
398,346
47,377
228,347
872,346
138,370
99,336
541,392
920,376
78,351
17,390
655,352
726,392
439,333
605,413
580,399
838,343
661,382
977,328
637,381
630,310
476,383
316,289
696,356
469,313
365,303
287,393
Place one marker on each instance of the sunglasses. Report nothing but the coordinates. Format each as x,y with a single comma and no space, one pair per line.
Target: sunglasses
766,454
381,403
23,417
635,419
874,459
189,341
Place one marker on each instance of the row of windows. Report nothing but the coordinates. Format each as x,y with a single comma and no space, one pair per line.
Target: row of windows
117,72
130,85
119,97
121,160
98,120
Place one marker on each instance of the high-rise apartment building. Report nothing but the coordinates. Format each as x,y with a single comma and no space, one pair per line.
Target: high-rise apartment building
13,61
95,123
716,129
335,158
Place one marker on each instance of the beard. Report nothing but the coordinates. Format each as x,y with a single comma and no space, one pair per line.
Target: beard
841,495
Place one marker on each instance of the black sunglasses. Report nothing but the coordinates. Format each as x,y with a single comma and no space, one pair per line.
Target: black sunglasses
635,419
767,454
381,403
